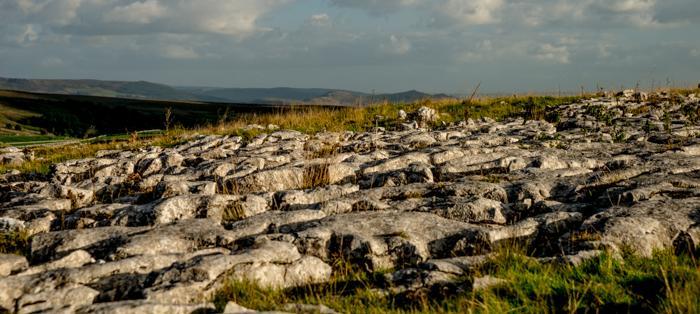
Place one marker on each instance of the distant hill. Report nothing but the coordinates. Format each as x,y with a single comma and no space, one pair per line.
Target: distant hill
136,90
154,91
266,95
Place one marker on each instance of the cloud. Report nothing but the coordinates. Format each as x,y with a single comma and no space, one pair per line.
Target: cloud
51,62
136,12
106,17
376,7
179,52
396,45
441,11
471,12
260,40
320,20
675,11
550,52
29,35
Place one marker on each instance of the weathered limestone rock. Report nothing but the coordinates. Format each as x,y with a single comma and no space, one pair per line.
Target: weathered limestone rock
160,229
8,225
476,210
12,264
269,263
424,116
233,308
384,239
646,226
73,260
216,207
308,308
486,282
181,237
65,299
99,242
146,307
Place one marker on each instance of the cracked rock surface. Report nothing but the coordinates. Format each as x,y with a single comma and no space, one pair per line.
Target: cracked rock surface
160,229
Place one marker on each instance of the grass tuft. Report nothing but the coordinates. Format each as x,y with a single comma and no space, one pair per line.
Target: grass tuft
664,283
15,243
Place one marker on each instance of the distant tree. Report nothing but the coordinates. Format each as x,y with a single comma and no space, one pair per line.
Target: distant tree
18,127
8,126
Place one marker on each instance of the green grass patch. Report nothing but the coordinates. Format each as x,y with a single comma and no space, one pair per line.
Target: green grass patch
664,283
15,243
10,139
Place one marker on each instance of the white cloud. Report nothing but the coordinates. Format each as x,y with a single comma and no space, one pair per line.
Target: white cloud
226,17
549,52
52,62
136,12
396,45
514,37
471,11
320,20
457,11
376,7
179,52
56,12
29,35
105,17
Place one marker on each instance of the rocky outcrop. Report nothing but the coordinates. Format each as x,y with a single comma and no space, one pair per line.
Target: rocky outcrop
161,229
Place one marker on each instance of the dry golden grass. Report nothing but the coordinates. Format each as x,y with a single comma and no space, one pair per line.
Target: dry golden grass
312,119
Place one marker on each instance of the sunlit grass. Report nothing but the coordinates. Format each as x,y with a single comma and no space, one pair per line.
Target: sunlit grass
664,283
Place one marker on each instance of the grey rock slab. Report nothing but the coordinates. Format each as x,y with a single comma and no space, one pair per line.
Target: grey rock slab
106,273
100,242
273,221
184,236
145,307
308,308
384,239
306,270
424,116
482,283
75,259
397,163
267,262
267,181
67,298
456,265
306,199
8,225
411,279
216,207
233,308
646,226
12,264
475,210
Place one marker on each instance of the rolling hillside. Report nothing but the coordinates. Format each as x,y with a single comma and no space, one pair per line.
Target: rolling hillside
24,114
154,91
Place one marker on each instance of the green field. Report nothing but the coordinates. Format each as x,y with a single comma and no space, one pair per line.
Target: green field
32,114
11,139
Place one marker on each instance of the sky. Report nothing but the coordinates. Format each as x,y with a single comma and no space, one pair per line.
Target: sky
365,45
